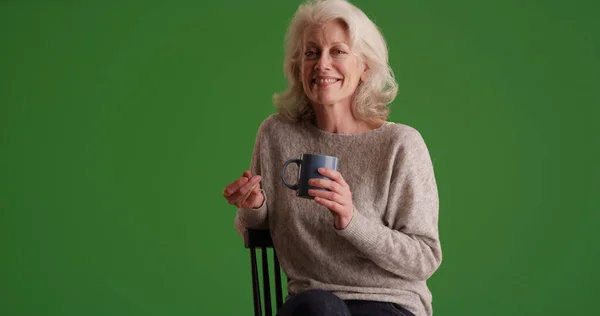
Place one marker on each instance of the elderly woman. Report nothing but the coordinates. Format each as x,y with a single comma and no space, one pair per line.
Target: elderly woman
375,254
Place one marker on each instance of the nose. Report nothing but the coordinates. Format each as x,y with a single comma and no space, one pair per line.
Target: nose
324,62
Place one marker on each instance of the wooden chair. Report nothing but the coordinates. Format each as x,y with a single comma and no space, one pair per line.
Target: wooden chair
261,239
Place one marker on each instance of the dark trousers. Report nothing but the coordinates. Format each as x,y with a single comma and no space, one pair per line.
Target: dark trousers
324,303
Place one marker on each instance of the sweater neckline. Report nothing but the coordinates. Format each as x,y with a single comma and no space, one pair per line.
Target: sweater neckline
313,127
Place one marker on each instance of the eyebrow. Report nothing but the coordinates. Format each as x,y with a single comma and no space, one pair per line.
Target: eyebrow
333,44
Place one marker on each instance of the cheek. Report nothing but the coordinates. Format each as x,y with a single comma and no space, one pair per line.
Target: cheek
305,73
352,73
346,70
349,76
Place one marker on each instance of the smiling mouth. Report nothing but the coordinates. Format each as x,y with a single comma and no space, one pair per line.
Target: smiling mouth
322,82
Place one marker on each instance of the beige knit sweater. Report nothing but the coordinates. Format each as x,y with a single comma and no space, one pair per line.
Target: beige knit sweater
391,246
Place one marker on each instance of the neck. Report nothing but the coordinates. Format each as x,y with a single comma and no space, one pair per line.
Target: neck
339,119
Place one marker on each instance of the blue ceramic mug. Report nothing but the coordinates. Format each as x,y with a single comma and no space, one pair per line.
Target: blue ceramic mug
308,168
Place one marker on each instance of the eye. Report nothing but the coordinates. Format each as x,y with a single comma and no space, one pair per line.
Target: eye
339,51
310,53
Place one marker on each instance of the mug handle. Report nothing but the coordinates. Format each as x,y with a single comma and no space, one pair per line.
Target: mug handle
297,162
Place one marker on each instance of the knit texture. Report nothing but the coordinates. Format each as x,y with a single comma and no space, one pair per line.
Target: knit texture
391,246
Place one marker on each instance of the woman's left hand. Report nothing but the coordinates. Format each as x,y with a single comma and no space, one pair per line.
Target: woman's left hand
338,199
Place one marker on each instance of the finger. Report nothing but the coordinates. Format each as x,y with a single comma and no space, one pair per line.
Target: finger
252,200
238,191
245,197
247,174
326,184
331,205
256,188
333,175
234,186
241,194
329,195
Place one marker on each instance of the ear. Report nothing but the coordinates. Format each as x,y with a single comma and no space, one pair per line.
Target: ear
364,74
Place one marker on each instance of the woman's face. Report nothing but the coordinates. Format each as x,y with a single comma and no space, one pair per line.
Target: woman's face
330,72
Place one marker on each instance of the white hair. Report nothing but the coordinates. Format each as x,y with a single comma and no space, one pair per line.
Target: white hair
366,41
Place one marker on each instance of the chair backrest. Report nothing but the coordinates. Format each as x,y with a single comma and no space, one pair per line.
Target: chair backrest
261,239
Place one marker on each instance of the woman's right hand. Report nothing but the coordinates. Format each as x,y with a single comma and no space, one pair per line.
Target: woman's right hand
245,192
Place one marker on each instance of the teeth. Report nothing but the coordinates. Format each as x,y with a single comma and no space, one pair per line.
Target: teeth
326,80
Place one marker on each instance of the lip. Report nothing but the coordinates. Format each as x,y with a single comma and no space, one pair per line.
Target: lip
325,77
316,82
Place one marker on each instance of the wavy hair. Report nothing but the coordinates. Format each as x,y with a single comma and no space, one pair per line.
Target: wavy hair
373,95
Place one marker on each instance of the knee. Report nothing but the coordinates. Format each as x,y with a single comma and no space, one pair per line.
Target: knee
314,302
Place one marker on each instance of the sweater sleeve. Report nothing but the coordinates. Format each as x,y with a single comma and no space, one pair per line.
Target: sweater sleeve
247,217
409,245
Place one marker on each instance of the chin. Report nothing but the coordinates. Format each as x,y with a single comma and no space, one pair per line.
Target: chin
326,100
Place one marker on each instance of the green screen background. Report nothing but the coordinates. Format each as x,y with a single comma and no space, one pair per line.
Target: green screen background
122,121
